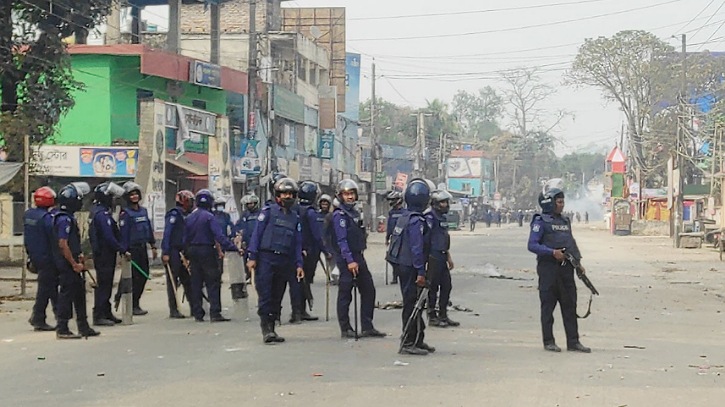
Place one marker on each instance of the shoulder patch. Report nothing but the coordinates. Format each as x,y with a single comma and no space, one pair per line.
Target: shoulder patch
343,224
122,222
172,220
108,222
535,227
67,229
299,227
260,218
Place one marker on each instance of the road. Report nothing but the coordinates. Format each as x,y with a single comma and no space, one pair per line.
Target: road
656,333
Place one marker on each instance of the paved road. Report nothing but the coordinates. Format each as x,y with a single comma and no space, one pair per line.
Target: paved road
665,301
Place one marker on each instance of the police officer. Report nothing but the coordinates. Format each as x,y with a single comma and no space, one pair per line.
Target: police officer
275,252
37,239
440,262
324,203
312,246
550,237
136,234
395,200
224,220
408,254
203,234
105,243
69,261
172,245
245,227
273,178
348,244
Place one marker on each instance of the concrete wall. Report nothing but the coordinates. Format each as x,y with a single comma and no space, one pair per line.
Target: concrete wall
650,228
234,17
233,49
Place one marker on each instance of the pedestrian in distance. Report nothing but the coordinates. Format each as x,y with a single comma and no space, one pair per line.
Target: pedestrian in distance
408,252
38,238
203,234
348,244
106,244
70,262
136,235
440,262
275,254
172,248
550,237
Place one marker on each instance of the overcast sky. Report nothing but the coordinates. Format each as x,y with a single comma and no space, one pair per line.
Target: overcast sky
543,33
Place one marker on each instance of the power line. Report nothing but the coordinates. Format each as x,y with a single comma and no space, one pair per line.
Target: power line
696,16
516,28
458,13
708,20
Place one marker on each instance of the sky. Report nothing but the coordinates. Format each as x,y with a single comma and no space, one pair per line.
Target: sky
469,42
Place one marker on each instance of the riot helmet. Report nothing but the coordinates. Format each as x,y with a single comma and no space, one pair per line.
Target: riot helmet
417,195
132,192
185,199
347,185
220,204
440,200
204,199
308,192
105,192
44,197
324,203
282,186
395,198
70,198
547,200
273,178
250,202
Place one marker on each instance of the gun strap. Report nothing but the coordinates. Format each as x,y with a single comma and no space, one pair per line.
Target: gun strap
589,308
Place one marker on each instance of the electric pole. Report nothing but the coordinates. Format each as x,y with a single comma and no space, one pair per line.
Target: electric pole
373,154
214,31
252,69
679,150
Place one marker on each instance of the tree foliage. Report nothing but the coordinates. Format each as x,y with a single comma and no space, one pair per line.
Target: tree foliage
37,83
478,113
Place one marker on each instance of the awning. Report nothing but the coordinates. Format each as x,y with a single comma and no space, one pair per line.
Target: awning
8,171
188,166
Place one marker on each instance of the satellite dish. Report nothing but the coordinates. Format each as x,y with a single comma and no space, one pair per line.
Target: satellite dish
315,32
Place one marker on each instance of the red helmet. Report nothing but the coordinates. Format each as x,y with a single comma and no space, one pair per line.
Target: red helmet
44,197
185,199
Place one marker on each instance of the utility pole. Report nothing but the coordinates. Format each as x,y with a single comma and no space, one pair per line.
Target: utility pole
214,31
418,170
252,70
26,198
373,154
679,150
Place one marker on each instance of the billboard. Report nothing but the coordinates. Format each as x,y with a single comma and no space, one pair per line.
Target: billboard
352,83
76,161
460,167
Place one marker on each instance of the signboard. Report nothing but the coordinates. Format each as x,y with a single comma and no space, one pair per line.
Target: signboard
463,167
400,181
325,148
352,86
380,181
288,105
250,162
75,161
306,169
205,74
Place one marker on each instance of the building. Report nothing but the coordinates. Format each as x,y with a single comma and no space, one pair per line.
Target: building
470,172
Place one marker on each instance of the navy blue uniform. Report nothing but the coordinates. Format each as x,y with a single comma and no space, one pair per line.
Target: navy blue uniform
72,293
393,216
439,275
556,281
172,244
202,234
276,246
349,243
408,254
136,234
245,227
38,241
105,242
227,226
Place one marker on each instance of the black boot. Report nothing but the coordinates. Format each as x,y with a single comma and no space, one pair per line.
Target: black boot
63,332
85,330
308,317
433,320
175,314
296,317
238,291
277,338
38,325
268,334
109,315
449,322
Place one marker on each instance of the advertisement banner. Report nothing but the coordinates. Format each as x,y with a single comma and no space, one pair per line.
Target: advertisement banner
306,169
60,161
352,86
250,162
220,166
108,162
151,174
463,167
327,141
400,181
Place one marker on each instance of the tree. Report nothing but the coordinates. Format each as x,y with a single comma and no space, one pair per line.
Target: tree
440,123
393,124
37,82
629,69
478,114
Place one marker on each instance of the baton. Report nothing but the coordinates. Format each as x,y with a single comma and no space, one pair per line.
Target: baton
140,270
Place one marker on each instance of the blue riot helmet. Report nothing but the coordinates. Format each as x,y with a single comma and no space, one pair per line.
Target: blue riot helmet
220,204
70,197
347,185
417,195
308,192
274,177
250,202
105,192
204,199
547,200
438,197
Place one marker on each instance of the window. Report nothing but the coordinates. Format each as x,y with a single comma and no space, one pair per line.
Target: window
199,104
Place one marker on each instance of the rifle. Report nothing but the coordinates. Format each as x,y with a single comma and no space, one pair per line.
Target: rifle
579,273
417,309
